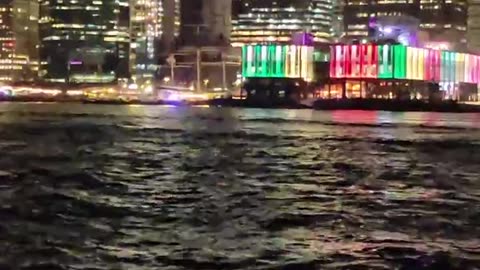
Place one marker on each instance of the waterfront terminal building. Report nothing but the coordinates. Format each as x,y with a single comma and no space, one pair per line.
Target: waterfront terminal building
373,71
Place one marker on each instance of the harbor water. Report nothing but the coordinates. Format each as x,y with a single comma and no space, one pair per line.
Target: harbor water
150,187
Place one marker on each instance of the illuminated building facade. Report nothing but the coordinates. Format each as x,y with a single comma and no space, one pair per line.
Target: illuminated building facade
154,26
398,62
276,73
277,61
18,40
366,70
439,20
257,21
84,41
473,29
403,62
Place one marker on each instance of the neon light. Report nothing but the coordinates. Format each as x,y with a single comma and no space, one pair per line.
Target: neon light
432,65
374,62
310,64
350,63
270,60
467,74
244,58
475,69
399,64
385,61
460,67
364,61
421,65
412,63
250,63
340,62
279,61
276,61
304,64
296,69
453,64
367,57
333,62
409,63
257,60
438,63
263,60
427,65
444,66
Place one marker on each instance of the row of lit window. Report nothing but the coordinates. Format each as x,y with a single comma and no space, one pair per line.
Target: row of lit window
432,25
272,33
392,13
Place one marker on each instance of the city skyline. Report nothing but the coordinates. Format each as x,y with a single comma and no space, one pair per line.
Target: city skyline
102,41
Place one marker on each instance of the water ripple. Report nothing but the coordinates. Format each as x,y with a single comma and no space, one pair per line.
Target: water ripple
117,187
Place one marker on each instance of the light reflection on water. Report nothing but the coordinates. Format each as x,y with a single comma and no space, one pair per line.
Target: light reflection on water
123,187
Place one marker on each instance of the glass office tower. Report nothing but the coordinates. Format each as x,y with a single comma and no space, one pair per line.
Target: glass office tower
84,41
258,21
18,40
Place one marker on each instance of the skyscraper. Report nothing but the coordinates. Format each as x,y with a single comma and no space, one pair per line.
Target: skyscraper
338,30
153,27
473,29
84,41
206,22
18,40
170,28
258,21
439,20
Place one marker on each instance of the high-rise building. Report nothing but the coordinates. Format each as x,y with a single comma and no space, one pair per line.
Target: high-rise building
154,25
338,30
439,20
18,40
473,28
206,22
170,28
259,21
84,41
218,18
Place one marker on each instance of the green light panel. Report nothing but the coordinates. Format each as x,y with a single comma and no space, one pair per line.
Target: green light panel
399,64
385,61
264,61
244,60
321,56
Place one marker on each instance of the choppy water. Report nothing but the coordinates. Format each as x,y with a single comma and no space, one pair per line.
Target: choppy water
118,187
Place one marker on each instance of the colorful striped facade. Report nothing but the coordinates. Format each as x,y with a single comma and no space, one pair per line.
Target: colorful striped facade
403,63
278,61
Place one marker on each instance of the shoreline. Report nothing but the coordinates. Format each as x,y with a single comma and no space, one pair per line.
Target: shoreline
325,105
